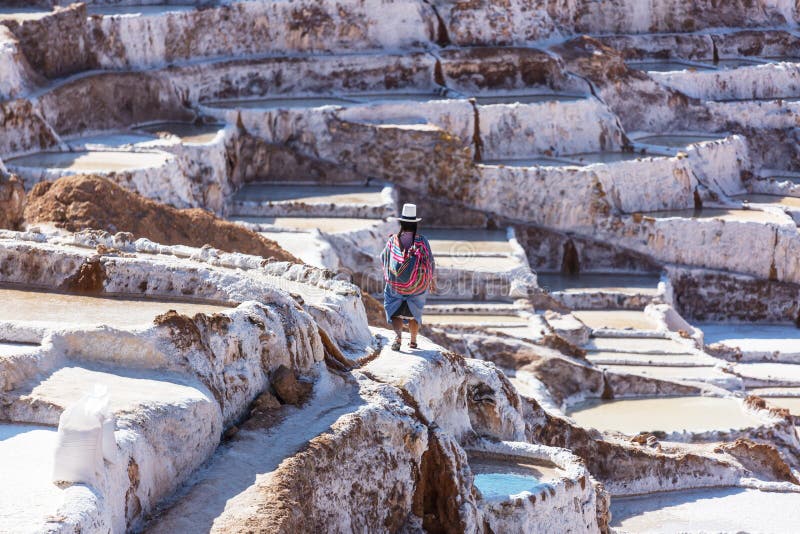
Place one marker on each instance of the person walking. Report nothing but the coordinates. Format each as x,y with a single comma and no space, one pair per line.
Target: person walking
409,272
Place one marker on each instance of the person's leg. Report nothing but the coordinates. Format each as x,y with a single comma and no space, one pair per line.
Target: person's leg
413,327
397,325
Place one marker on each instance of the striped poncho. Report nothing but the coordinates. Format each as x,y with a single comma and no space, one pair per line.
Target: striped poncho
408,272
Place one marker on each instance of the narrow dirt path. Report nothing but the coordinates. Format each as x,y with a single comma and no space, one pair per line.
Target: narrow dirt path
253,454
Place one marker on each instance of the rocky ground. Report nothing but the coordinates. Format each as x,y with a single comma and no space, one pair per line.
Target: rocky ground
193,198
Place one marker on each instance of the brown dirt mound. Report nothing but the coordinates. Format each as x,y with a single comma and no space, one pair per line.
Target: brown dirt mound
76,203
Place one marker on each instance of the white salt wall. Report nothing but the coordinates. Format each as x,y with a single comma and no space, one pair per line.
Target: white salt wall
182,271
772,80
455,116
15,75
768,114
163,181
516,22
586,193
650,16
258,27
518,130
717,244
719,164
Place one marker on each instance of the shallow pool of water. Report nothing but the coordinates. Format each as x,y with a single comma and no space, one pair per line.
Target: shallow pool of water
708,510
639,345
777,200
617,319
186,131
501,477
753,337
667,414
398,96
456,242
677,140
8,348
590,158
790,403
733,63
137,10
27,494
526,99
66,309
21,14
474,319
91,161
112,140
634,283
719,213
323,224
260,192
665,66
530,162
280,103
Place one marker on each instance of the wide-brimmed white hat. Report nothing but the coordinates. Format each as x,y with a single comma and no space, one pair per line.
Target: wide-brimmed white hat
409,213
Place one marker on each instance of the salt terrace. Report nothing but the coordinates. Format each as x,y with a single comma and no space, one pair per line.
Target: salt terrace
194,197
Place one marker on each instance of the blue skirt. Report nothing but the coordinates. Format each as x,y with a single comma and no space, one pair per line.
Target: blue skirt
393,300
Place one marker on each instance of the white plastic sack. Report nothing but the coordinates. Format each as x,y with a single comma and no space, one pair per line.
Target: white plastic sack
85,437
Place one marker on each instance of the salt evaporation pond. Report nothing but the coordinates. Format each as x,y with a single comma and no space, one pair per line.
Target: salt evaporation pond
776,200
339,195
665,66
136,11
27,494
666,414
502,477
33,306
396,97
187,132
21,14
475,319
638,283
677,140
280,103
8,348
720,213
112,140
526,99
329,225
617,319
592,158
790,403
468,243
529,162
90,161
708,510
733,63
753,337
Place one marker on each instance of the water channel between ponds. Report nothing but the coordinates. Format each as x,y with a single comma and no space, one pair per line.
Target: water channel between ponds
666,414
25,305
